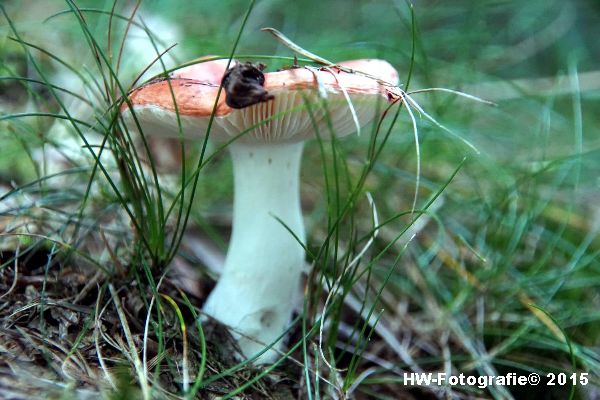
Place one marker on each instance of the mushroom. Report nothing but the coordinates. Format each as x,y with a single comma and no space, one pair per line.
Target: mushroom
273,116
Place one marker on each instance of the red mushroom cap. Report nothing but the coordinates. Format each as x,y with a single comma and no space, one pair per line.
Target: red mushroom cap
297,107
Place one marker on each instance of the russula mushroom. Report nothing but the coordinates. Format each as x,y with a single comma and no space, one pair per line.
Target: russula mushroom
274,114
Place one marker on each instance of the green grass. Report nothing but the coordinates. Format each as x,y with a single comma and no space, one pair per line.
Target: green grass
428,257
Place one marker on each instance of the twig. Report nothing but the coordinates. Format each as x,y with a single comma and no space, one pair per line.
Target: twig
132,349
97,328
14,284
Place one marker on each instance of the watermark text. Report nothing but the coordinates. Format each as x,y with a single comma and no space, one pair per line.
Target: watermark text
484,381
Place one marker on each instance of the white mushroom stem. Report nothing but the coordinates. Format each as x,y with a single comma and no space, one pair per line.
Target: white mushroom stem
260,281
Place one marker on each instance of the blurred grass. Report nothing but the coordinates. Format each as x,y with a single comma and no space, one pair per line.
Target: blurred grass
518,223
